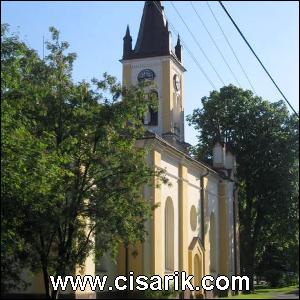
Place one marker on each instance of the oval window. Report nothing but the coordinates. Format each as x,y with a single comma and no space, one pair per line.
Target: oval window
193,218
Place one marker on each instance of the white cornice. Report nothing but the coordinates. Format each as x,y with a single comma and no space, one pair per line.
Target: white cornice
161,144
145,59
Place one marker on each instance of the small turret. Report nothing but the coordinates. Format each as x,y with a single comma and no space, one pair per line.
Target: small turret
178,49
230,160
224,159
219,155
127,44
230,163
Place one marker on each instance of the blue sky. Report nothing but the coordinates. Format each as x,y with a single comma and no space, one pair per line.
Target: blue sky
95,30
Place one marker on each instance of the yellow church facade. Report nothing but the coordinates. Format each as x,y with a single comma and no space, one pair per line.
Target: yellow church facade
195,225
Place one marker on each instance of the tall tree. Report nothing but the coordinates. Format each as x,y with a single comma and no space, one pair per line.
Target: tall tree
264,138
70,164
18,154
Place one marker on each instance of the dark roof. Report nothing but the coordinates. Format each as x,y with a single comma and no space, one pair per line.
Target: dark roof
154,38
153,136
196,240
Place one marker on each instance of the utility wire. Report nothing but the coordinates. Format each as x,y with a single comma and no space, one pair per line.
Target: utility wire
231,48
196,41
238,29
186,47
214,42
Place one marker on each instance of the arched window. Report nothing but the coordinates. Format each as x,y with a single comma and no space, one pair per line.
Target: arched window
213,246
197,270
153,112
169,235
153,116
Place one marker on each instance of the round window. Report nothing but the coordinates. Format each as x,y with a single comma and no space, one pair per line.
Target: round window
193,218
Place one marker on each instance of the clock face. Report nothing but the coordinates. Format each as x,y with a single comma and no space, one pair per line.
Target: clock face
146,74
176,82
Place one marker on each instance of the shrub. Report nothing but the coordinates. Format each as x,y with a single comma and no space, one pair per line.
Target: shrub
291,278
275,278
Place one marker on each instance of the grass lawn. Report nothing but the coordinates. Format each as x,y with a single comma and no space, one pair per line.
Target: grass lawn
264,293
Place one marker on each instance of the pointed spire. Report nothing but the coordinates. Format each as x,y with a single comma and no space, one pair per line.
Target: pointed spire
127,31
157,3
178,40
127,44
153,38
178,49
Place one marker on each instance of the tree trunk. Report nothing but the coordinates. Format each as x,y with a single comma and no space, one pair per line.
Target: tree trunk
249,238
44,264
46,282
250,274
60,271
54,294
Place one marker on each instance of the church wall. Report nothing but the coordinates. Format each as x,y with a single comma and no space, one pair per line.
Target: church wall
177,101
194,200
155,64
170,110
126,74
167,104
211,207
147,246
147,243
230,227
171,165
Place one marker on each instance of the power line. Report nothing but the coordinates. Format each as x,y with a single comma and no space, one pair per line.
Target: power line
214,42
238,29
186,47
231,48
196,41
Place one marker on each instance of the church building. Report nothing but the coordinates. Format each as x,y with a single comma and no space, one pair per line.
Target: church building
195,226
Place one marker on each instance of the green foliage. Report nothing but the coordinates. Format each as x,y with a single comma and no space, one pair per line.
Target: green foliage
291,278
164,294
71,168
264,138
268,293
279,256
274,277
18,156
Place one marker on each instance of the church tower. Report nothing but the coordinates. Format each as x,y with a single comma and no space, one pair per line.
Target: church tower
154,59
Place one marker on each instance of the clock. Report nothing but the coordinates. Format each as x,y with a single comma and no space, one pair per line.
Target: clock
176,83
146,74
